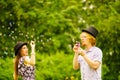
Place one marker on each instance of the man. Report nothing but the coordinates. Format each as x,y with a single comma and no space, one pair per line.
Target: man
88,60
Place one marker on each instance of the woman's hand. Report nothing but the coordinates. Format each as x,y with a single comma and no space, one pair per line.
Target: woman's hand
32,44
32,58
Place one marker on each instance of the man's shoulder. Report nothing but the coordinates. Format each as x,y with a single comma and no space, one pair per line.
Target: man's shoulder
96,48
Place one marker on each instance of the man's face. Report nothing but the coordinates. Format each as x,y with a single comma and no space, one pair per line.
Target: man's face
84,38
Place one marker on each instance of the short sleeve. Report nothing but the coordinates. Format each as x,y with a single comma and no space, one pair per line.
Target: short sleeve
97,55
80,59
24,70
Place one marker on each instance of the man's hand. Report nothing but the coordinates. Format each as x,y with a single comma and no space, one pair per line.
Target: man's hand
81,52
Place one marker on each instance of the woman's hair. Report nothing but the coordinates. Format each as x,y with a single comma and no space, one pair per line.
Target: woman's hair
17,57
92,39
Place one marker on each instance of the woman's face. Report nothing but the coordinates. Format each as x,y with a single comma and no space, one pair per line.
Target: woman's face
84,39
24,50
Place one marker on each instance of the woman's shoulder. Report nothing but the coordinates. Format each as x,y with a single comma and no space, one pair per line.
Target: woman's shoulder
23,58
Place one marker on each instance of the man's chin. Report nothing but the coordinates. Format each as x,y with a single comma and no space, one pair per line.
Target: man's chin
26,54
83,45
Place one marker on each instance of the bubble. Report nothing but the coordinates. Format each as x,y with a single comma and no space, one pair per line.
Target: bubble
15,29
41,40
73,40
40,1
83,21
41,35
80,20
31,36
33,29
10,14
10,24
38,41
13,22
12,31
6,48
43,43
21,34
27,32
3,26
5,52
26,35
70,46
15,37
47,40
91,6
83,1
84,8
8,28
4,34
37,37
18,24
0,34
9,35
110,53
50,39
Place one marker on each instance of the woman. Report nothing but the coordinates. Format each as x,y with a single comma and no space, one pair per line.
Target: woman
90,59
23,65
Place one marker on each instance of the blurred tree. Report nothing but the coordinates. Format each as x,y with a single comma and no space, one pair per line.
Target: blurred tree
55,26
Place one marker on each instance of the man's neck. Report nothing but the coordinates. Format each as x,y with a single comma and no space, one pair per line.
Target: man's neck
88,47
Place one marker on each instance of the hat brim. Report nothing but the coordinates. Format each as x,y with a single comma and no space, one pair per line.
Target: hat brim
88,32
16,52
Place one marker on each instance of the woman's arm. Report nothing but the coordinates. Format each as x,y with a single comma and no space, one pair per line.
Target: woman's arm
31,60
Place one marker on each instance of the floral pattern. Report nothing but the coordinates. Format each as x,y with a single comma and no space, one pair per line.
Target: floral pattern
27,72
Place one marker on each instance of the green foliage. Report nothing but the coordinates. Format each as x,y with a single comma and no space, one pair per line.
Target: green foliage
55,67
50,67
6,69
56,24
40,21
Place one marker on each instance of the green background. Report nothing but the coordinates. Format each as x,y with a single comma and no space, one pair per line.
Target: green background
55,25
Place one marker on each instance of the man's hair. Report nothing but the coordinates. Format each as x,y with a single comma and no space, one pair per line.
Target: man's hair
92,39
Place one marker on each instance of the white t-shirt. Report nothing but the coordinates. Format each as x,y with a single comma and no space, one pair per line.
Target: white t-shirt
88,73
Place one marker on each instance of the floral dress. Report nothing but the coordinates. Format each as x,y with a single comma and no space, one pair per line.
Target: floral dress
27,72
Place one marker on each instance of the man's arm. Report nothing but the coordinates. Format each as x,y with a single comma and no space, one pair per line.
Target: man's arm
76,65
91,63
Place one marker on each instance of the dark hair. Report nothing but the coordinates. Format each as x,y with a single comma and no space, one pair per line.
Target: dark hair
18,46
